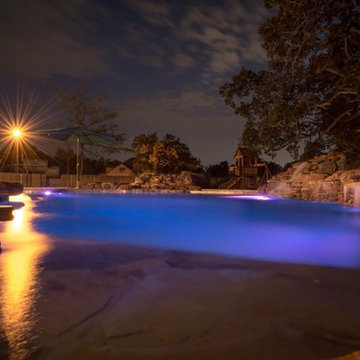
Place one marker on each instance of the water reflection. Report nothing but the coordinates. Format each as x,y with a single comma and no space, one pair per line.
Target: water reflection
23,249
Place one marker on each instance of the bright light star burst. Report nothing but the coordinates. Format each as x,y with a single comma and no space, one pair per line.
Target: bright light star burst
17,133
19,121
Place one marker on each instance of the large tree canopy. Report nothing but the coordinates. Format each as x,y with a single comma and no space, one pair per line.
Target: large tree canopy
143,146
168,155
310,92
89,111
218,170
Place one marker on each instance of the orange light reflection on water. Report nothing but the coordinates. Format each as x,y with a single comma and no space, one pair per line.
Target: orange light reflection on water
23,249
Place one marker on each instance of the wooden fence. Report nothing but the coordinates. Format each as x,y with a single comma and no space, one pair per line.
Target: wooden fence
41,180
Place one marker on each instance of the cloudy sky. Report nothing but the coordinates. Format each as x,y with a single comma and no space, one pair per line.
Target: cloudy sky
159,63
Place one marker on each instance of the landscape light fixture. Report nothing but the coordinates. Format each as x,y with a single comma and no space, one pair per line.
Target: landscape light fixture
16,133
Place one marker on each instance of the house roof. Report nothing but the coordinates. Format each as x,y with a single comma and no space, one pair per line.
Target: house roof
129,163
244,150
117,170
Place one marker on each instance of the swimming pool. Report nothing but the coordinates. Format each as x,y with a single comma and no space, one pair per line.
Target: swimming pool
275,230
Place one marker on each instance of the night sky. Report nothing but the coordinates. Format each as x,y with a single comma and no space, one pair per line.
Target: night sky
159,63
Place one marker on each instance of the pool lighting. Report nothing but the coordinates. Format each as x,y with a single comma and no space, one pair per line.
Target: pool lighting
47,193
250,197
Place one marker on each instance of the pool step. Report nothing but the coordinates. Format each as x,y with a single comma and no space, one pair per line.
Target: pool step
6,212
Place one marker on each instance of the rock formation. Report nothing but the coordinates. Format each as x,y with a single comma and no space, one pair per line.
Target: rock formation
163,182
323,178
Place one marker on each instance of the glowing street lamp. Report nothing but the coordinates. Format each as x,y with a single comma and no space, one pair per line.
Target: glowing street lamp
17,134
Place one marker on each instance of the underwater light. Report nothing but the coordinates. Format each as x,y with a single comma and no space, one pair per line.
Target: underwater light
47,193
251,197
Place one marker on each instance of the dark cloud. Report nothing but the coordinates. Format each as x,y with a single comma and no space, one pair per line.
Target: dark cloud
160,62
227,35
85,38
211,38
154,12
183,61
46,38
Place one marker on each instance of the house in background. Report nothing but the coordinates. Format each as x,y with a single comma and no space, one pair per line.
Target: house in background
119,175
120,170
248,172
246,168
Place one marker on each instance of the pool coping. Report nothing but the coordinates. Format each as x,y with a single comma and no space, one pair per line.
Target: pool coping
30,190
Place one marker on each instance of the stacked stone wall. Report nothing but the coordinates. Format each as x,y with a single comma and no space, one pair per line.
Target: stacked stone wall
323,178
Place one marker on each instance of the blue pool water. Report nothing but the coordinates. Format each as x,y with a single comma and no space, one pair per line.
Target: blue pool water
280,230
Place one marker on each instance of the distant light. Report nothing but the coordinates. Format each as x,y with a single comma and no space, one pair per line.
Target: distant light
47,193
17,133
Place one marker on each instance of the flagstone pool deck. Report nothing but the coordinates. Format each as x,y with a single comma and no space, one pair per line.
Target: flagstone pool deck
104,301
